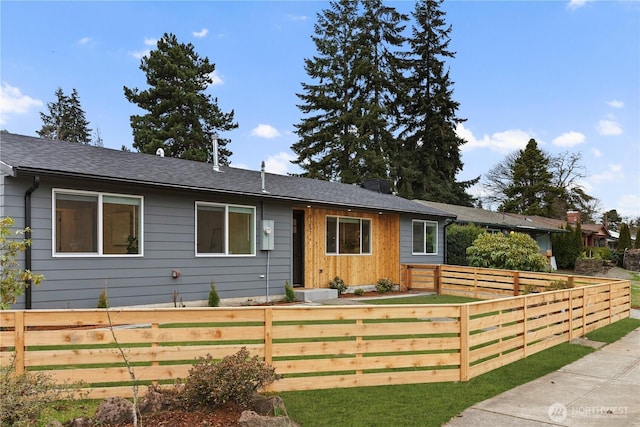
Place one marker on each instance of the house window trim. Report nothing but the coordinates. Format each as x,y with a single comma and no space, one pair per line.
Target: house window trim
226,253
100,228
424,225
337,253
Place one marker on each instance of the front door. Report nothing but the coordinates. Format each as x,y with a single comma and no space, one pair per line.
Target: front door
298,248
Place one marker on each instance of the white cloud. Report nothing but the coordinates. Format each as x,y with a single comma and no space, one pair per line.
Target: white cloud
569,139
200,34
13,101
596,153
297,17
629,205
575,4
216,78
502,142
608,127
613,173
265,131
84,40
615,104
279,163
139,54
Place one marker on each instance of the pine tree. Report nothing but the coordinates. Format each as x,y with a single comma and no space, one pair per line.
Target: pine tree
636,245
428,158
182,118
346,133
66,120
531,191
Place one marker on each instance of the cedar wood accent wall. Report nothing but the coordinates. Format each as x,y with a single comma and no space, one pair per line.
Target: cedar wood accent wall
384,260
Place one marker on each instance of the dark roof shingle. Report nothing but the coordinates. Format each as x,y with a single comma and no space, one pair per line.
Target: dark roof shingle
31,155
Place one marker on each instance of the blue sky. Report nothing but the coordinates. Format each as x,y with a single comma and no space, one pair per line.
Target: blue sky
566,73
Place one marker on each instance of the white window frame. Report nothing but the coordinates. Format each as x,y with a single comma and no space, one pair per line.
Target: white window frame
337,252
425,223
226,230
100,228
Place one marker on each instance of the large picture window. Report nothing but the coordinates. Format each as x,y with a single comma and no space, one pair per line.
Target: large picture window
87,223
425,237
225,229
347,235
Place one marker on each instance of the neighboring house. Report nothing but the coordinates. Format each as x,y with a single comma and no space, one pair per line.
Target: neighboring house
152,230
593,235
499,222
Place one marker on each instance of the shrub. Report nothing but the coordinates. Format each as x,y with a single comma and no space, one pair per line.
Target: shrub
359,292
515,251
25,396
338,283
289,294
459,238
567,247
235,378
103,300
384,285
13,280
214,298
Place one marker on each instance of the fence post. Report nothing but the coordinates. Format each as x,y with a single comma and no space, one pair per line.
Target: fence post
268,335
19,341
516,283
409,276
570,314
610,303
436,278
464,342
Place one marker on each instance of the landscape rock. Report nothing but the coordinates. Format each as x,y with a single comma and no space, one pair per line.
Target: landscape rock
114,410
54,423
79,422
252,419
271,405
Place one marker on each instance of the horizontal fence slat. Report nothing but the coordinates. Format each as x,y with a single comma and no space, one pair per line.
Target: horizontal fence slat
323,346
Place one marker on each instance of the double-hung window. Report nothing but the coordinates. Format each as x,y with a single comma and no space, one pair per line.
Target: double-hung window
348,235
89,223
225,229
425,237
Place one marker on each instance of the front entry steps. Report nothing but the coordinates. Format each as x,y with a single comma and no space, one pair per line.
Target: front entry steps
311,295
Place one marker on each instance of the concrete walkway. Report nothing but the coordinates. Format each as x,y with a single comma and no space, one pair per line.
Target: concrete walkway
601,389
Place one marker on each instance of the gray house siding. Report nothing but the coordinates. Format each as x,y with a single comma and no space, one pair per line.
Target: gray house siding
168,244
406,241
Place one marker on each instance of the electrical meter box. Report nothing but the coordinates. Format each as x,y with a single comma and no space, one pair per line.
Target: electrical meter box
267,235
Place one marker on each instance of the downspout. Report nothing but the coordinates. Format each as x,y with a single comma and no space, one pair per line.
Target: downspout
27,235
444,230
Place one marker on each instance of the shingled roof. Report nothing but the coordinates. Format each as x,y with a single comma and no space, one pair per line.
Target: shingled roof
493,219
24,156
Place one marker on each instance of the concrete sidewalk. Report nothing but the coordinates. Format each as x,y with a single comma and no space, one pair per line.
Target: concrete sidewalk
601,389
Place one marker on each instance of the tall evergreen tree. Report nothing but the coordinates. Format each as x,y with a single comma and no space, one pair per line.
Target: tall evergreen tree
624,241
636,244
531,191
345,134
66,119
428,158
181,118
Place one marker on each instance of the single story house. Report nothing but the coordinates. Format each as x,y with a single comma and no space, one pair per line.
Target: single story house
500,222
156,230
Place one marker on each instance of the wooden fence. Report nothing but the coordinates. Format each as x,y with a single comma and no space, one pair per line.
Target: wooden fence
314,346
